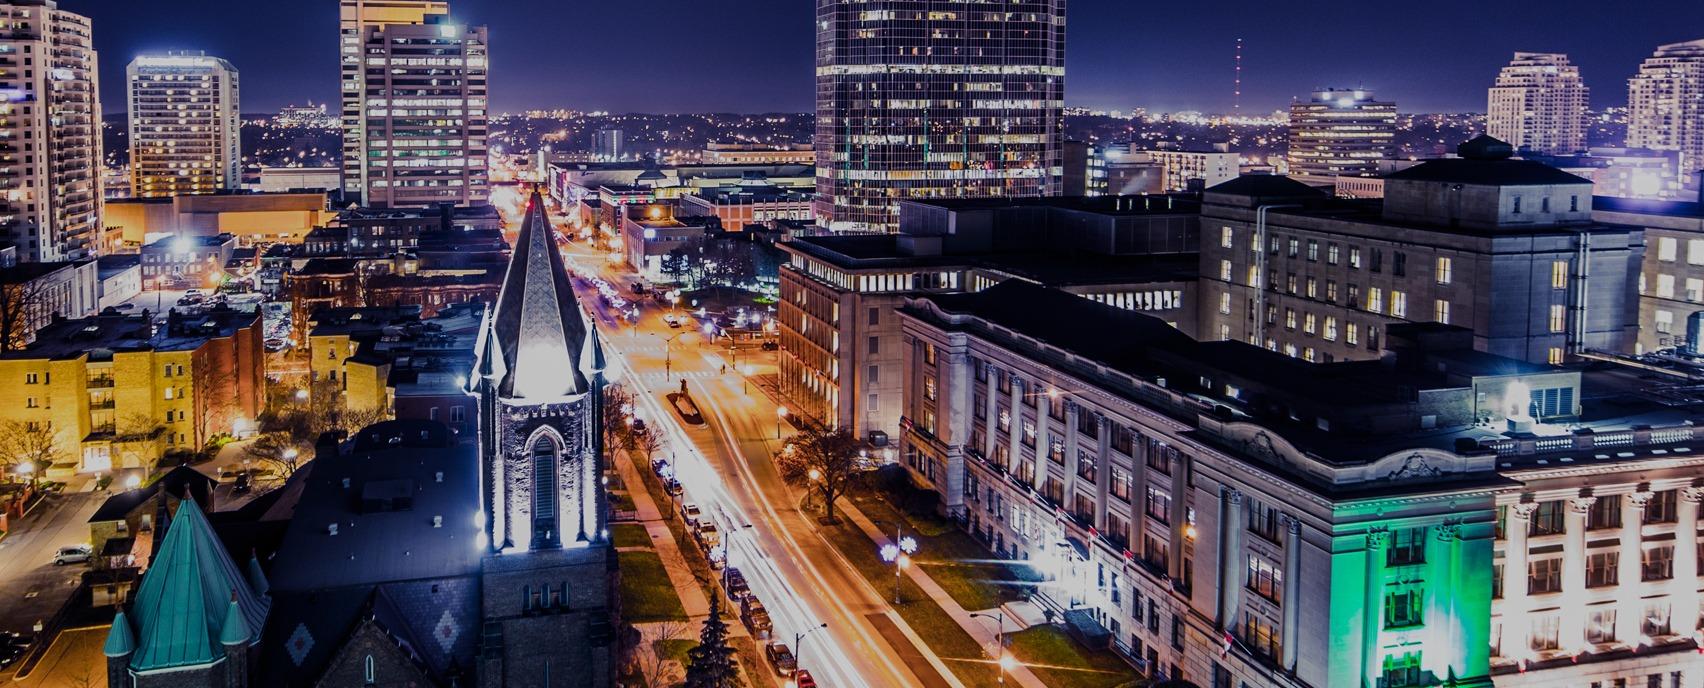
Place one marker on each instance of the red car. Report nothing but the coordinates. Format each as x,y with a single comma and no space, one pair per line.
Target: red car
802,679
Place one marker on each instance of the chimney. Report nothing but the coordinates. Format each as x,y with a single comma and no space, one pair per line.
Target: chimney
331,529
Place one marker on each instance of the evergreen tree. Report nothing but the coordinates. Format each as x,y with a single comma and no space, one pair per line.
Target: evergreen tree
712,664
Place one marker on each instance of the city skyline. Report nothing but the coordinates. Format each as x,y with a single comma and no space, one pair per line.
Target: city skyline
1114,63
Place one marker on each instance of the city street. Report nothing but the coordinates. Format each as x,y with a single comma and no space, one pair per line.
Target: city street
726,468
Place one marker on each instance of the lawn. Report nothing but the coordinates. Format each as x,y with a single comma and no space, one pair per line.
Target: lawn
1060,662
621,501
646,593
630,535
674,649
963,655
970,573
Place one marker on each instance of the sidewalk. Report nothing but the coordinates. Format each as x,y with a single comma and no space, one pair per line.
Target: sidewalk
983,631
680,576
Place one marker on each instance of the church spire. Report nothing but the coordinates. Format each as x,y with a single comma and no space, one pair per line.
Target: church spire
535,343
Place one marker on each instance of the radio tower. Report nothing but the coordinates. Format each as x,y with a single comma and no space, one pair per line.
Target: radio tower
1236,94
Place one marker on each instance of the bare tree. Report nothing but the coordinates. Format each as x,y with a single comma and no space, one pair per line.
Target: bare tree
21,307
275,450
27,442
822,461
617,405
646,442
655,666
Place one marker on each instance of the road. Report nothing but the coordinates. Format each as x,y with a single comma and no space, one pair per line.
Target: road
726,469
31,588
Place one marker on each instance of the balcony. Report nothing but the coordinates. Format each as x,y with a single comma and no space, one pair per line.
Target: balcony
100,382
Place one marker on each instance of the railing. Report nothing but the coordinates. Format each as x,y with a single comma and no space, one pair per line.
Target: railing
1585,440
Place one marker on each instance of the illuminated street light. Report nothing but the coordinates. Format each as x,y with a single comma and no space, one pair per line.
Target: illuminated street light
132,482
1002,658
780,415
301,395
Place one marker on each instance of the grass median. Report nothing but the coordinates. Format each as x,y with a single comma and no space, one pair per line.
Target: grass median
646,593
1060,662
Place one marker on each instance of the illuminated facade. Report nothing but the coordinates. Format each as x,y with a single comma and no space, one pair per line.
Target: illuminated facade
1665,100
1507,248
185,125
1340,133
935,99
52,203
414,105
1539,104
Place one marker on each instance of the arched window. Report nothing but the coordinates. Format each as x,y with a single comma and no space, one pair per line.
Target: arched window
544,477
368,674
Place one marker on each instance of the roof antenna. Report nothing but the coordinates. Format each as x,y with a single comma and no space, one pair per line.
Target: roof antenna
1236,94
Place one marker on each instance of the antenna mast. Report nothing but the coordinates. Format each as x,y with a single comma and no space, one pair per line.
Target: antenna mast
1236,94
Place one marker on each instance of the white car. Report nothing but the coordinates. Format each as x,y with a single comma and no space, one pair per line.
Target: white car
75,554
690,513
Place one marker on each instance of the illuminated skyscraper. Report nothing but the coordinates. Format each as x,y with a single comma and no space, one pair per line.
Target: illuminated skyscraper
935,99
1340,133
185,125
1539,105
414,104
1666,103
50,137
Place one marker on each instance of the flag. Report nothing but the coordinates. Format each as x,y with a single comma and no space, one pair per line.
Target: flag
1225,647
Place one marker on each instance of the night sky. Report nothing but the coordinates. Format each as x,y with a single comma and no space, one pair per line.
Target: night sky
755,55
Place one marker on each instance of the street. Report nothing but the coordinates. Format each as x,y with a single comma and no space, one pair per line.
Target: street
32,589
726,468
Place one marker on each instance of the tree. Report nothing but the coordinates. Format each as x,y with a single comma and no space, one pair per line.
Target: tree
646,442
275,450
617,404
27,442
653,662
676,265
21,306
712,664
822,461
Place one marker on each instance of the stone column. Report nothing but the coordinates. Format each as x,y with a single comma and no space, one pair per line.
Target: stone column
1516,641
954,416
1179,512
1016,438
1372,619
990,415
1068,431
1629,610
1573,629
1441,603
1103,471
1292,604
1686,558
1230,556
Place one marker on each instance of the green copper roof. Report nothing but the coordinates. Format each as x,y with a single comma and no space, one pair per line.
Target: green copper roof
120,641
183,603
235,631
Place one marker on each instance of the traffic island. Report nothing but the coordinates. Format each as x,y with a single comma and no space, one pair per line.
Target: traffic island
683,405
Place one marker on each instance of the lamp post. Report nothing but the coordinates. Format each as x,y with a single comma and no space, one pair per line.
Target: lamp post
799,642
899,554
1001,658
780,415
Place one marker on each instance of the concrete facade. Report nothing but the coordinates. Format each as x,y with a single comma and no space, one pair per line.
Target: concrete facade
185,125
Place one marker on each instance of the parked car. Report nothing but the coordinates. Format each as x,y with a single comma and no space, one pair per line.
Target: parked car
781,657
756,618
690,513
673,487
244,483
708,536
10,654
75,554
735,583
802,679
658,464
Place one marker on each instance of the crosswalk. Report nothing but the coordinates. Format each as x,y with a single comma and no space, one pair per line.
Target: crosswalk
660,376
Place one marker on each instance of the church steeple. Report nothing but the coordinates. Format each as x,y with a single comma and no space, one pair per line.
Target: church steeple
536,342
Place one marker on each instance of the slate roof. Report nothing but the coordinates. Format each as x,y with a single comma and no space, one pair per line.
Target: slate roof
183,601
1487,173
545,340
435,621
174,482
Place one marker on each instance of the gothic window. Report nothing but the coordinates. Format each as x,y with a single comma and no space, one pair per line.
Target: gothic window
545,532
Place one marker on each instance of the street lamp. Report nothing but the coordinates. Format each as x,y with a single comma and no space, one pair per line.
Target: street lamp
799,642
1001,657
780,415
899,554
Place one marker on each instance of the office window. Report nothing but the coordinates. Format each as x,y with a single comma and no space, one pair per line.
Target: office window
1444,271
1555,355
1225,303
1441,311
1546,632
1295,247
1226,237
1544,576
1330,333
1308,323
1517,205
1312,288
1265,578
1402,671
1399,263
875,346
1158,505
872,374
1331,254
1355,257
1601,568
1254,276
1407,547
1605,513
1261,636
1313,249
1558,318
1351,334
1398,304
1546,519
1290,283
1375,300
1331,291
1665,286
1225,270
1290,318
1661,508
1694,289
1403,605
1666,248
1559,274
1656,622
1695,251
1664,322
875,316
1600,625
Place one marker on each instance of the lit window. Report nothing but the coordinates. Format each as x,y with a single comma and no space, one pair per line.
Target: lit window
1558,318
1666,249
1559,274
1444,270
1441,311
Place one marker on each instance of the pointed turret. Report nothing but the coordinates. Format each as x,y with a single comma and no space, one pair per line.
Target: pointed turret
184,602
256,577
535,342
120,641
235,630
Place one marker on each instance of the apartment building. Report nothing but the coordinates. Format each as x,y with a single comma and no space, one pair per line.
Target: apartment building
1539,104
185,125
1213,504
838,332
1671,277
116,393
414,105
50,160
1507,248
33,295
1340,133
1664,110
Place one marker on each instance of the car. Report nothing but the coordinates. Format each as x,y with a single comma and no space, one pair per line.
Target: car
708,536
756,618
75,554
10,654
690,513
244,483
673,486
673,323
802,679
658,465
735,583
781,657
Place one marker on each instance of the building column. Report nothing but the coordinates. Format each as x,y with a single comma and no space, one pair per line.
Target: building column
1573,629
953,413
1068,458
1372,619
1292,593
990,415
1517,638
1629,611
1103,470
1686,559
1016,436
1230,556
1441,601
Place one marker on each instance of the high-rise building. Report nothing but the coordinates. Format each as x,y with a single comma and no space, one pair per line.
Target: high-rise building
414,104
1340,133
1665,100
1539,104
935,99
52,205
606,144
185,125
